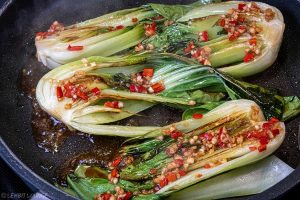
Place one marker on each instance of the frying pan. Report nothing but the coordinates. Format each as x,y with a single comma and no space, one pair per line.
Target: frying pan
20,20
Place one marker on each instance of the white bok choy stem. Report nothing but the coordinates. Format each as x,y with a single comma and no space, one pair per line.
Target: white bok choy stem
268,38
247,180
47,98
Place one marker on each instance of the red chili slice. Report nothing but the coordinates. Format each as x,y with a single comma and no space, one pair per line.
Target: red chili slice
252,148
148,72
233,22
204,36
133,88
158,87
197,115
105,196
232,37
253,41
266,125
241,19
59,93
273,120
80,93
189,47
222,22
119,27
175,135
114,173
248,57
264,140
241,6
96,91
69,90
182,173
262,148
207,166
179,162
75,48
109,104
150,29
207,136
171,177
275,132
116,162
163,182
127,196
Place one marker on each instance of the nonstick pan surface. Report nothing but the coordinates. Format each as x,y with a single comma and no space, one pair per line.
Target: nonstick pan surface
19,22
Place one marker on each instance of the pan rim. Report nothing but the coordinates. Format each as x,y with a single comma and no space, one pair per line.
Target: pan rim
29,176
50,191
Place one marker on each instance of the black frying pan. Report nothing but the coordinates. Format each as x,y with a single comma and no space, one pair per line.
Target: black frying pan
20,20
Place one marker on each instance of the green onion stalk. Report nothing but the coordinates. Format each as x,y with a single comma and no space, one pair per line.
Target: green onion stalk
177,156
78,93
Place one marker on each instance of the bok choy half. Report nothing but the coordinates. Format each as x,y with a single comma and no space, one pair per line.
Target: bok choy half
89,94
179,155
239,38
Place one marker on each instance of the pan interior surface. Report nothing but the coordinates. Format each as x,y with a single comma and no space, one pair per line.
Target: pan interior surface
20,72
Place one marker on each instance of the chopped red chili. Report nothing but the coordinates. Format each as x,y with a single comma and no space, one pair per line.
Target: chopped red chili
179,162
112,104
222,22
75,48
105,196
233,22
252,148
96,91
241,6
253,41
59,93
80,93
207,166
206,136
248,57
163,182
275,132
197,115
150,29
273,120
158,87
204,36
114,173
189,47
119,27
171,177
262,148
127,196
232,37
148,72
116,162
182,173
175,134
